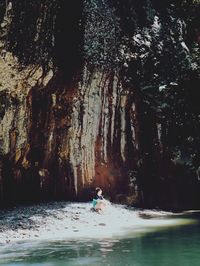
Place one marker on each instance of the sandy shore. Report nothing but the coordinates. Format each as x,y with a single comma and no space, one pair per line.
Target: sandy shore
61,220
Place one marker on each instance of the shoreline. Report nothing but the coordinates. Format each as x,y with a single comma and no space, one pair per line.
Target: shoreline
66,220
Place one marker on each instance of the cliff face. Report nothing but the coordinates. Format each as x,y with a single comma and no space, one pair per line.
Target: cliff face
99,93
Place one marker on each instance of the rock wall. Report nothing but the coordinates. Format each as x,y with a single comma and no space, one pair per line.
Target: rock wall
112,105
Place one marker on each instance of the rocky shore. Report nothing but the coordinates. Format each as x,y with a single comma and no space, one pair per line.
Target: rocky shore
61,220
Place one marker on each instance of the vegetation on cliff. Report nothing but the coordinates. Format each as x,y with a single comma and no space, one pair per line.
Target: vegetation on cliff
100,93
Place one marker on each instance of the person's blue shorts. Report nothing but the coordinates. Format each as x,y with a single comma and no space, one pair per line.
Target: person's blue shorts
94,203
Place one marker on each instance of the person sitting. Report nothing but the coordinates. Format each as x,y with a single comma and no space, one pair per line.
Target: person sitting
98,201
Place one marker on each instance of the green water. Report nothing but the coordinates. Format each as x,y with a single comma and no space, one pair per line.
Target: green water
174,246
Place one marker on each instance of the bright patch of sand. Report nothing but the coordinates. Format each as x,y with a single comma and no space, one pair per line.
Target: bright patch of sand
61,221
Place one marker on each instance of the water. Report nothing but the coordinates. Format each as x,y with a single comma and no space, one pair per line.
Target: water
172,245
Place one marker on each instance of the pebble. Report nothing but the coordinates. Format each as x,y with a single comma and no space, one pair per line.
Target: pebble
102,224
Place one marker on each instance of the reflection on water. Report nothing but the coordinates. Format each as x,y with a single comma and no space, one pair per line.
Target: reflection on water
171,246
